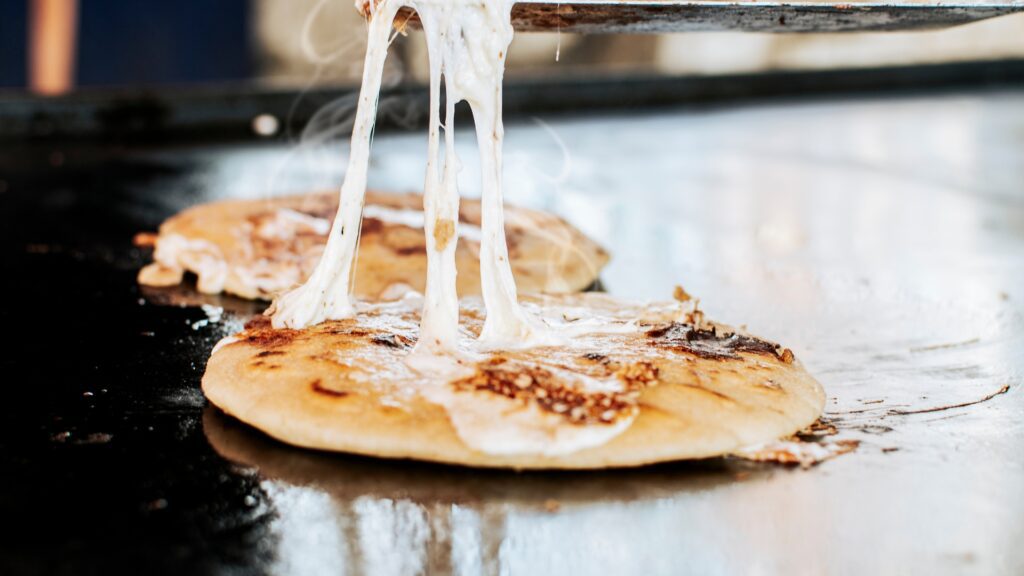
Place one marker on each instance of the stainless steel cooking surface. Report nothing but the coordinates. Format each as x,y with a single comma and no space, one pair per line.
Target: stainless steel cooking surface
870,219
882,240
660,16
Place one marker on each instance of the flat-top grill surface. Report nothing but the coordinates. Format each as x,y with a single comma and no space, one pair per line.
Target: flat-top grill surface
882,240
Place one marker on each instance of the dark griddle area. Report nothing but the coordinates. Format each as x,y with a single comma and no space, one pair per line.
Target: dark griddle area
101,418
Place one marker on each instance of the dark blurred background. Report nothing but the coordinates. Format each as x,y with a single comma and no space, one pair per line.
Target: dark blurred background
299,43
132,43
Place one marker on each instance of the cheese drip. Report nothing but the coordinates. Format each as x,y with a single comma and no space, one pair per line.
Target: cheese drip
327,294
467,41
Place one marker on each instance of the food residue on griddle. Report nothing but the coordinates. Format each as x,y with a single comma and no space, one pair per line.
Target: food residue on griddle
797,452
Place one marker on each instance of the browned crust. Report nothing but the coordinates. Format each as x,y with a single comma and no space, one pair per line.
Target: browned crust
546,253
530,383
709,344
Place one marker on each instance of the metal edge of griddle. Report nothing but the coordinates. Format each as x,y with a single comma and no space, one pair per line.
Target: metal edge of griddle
666,16
226,113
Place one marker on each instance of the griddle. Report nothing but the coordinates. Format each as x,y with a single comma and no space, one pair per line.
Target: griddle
880,237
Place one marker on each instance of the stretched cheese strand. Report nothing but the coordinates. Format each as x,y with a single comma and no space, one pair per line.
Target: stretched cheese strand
467,41
326,295
507,325
439,325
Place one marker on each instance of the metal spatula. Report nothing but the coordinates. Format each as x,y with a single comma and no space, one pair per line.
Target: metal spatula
658,16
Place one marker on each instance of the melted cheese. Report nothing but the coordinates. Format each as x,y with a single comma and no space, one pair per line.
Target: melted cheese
467,42
415,219
327,294
486,424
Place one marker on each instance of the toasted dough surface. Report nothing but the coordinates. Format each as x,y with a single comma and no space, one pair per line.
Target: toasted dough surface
346,386
259,248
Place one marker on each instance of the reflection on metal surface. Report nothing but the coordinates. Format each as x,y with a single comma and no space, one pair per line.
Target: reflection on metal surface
348,514
362,515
